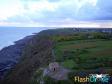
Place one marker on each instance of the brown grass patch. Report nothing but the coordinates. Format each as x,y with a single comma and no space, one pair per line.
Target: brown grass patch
80,46
106,52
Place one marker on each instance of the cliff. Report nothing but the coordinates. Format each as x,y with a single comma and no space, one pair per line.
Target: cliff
18,62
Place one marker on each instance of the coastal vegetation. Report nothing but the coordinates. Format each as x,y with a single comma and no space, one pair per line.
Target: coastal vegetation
81,52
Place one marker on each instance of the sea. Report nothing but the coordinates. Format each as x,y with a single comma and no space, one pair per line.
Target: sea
8,35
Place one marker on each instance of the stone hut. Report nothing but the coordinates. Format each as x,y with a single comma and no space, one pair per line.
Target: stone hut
54,66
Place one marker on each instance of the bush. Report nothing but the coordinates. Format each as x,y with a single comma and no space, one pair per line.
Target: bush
69,64
48,80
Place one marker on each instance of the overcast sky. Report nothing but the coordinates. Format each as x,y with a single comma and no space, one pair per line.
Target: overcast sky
55,12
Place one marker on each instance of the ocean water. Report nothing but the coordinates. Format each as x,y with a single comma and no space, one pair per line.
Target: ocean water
8,35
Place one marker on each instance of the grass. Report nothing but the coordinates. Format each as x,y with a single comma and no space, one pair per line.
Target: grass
87,54
69,64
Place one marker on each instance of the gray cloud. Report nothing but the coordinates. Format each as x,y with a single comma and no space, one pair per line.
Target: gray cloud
102,11
105,10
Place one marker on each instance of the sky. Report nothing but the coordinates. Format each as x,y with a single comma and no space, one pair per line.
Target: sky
39,13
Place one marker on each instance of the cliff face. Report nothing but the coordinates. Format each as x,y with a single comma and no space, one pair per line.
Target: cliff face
37,53
10,55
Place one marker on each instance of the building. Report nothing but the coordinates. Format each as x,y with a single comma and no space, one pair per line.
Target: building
54,66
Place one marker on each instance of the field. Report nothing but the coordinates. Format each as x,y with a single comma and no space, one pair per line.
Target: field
85,54
81,54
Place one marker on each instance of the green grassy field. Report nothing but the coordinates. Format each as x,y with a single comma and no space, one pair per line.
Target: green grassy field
82,54
81,57
85,54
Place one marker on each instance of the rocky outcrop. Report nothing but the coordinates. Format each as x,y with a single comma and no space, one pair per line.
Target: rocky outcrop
9,56
37,53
